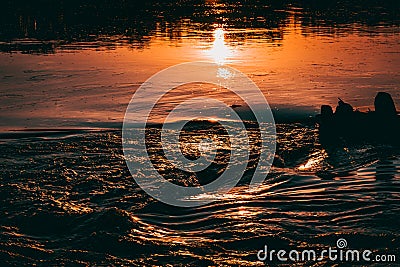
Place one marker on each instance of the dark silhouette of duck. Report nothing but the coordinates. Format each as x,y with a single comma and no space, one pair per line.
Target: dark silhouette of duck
381,125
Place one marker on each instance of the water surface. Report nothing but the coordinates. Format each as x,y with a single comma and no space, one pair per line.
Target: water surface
78,64
68,70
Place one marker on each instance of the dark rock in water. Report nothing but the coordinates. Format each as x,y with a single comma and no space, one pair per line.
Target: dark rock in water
235,106
343,109
381,125
384,105
326,111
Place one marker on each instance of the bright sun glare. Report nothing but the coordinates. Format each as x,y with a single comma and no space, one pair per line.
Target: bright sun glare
219,51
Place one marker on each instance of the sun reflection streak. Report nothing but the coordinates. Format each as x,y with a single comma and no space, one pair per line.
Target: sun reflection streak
314,161
219,51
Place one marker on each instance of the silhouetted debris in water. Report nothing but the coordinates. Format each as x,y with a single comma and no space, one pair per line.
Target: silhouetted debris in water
384,105
343,109
381,125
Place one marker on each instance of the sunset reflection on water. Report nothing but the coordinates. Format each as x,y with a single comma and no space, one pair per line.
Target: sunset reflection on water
298,68
219,52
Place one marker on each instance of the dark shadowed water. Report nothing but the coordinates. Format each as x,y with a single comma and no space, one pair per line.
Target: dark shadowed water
68,198
69,68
